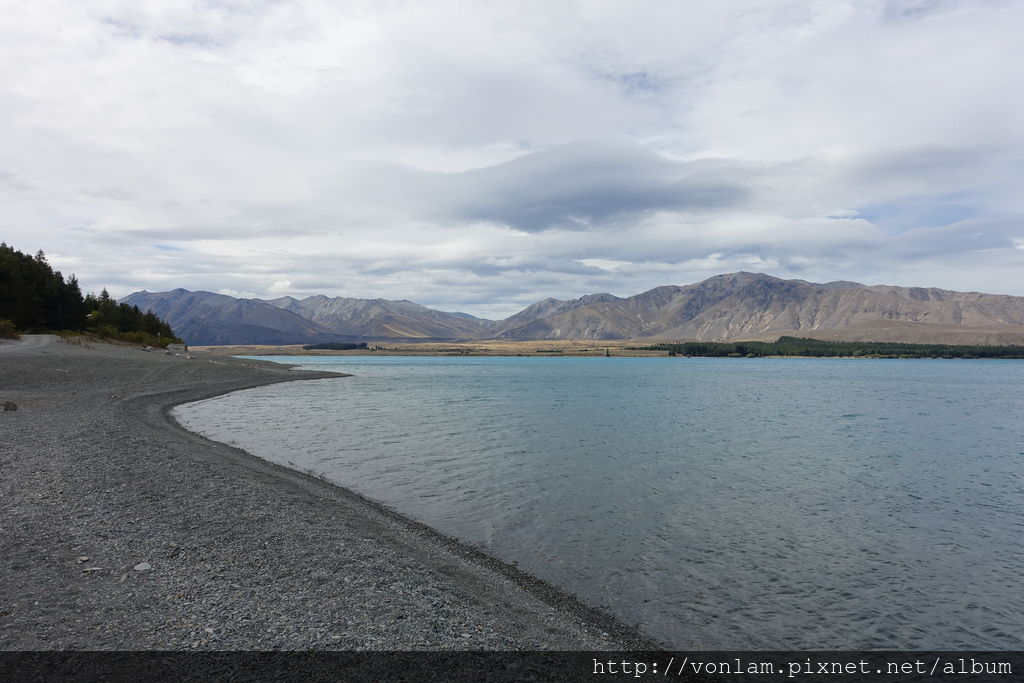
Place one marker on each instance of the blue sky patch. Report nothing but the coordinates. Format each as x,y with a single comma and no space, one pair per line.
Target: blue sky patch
923,211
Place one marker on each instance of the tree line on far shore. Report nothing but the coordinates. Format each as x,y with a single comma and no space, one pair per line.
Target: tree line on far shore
336,346
798,346
36,298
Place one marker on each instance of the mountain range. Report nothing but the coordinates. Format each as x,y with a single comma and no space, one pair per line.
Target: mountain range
733,306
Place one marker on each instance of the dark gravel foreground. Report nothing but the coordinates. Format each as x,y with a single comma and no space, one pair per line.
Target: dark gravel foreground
119,530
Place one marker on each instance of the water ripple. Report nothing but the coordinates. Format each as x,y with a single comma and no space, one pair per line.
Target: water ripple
729,504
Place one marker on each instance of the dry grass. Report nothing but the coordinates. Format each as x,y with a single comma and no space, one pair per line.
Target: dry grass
882,331
484,347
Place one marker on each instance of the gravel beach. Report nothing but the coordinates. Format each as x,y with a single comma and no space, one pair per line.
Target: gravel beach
120,530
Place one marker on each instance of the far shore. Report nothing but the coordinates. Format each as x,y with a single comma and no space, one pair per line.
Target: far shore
486,347
624,348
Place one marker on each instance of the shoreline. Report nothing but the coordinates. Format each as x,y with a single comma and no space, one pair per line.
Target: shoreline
235,552
630,638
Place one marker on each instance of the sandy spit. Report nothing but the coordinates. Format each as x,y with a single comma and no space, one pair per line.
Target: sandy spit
121,530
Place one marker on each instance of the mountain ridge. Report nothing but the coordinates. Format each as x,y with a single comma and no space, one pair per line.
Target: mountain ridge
725,307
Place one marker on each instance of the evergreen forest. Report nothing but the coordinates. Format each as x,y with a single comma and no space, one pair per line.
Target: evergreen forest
36,298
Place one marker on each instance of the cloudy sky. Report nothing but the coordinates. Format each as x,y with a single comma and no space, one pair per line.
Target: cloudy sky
479,156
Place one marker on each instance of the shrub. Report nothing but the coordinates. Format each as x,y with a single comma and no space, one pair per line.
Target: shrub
105,331
8,330
145,339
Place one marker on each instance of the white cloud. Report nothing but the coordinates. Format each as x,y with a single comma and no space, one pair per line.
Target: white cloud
280,287
480,155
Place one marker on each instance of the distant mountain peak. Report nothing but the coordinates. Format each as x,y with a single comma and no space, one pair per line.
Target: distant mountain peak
746,305
595,298
841,284
739,305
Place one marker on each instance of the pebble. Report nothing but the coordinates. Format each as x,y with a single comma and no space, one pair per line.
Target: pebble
140,488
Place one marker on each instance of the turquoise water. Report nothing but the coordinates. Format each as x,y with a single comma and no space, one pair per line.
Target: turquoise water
717,503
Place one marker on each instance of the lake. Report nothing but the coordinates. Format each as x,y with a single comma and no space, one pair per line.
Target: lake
717,503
